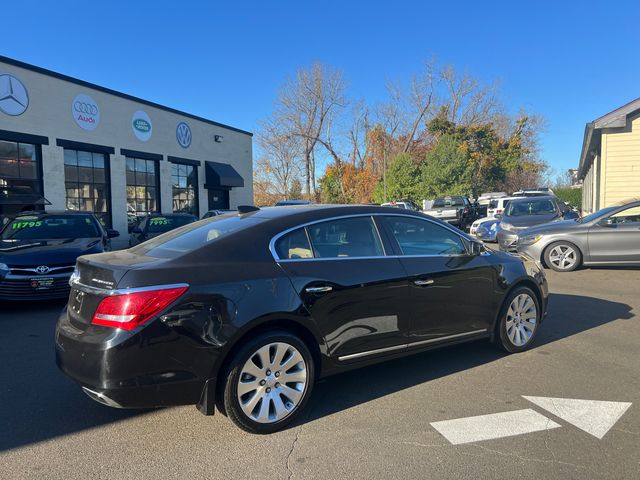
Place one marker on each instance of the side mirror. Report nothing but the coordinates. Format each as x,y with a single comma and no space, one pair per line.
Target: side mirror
498,216
607,222
477,248
136,230
111,233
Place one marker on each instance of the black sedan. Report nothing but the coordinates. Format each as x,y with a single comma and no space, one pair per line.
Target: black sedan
151,226
38,252
246,311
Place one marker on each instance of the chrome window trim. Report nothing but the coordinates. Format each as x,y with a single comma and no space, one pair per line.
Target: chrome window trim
406,346
75,283
444,225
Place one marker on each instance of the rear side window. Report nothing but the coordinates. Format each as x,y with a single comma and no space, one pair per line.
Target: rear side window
294,245
421,237
345,237
448,202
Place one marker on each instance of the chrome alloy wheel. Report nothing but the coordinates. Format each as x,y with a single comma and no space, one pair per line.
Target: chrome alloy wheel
272,382
522,320
563,257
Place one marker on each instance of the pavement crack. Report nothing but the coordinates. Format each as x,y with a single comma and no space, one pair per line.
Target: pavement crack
293,447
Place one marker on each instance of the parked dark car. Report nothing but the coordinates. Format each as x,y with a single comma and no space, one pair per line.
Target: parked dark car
527,212
456,210
151,226
38,252
247,311
610,236
215,213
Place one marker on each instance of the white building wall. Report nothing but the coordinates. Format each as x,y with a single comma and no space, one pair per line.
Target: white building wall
50,114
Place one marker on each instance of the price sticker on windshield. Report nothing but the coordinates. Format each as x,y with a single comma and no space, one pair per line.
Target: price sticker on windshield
159,221
21,225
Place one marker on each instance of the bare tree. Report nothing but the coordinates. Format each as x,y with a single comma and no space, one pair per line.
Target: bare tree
305,108
280,159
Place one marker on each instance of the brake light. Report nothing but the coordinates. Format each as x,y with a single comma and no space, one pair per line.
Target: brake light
466,209
498,211
129,310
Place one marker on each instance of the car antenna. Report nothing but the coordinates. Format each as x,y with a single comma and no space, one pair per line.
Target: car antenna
242,209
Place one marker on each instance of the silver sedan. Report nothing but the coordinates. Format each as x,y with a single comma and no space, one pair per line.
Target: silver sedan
610,236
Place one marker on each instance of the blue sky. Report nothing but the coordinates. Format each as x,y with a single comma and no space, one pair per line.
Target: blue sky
569,61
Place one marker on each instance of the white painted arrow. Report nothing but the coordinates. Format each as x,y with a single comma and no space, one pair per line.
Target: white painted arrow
593,416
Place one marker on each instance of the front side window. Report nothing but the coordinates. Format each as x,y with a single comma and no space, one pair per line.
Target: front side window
345,237
421,237
629,215
87,183
294,245
184,179
143,189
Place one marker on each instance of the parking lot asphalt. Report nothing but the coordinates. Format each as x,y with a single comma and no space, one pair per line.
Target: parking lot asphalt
370,423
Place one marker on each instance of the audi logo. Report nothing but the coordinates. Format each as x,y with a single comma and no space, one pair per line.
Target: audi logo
87,108
42,269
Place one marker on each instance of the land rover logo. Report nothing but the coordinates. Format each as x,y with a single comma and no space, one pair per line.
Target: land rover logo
42,269
85,111
183,135
141,125
14,98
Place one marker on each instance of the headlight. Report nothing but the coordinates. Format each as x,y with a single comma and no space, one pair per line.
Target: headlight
506,226
3,266
529,239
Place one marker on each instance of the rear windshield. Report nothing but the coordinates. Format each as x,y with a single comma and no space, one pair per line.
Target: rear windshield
194,235
448,202
51,227
530,207
496,203
164,224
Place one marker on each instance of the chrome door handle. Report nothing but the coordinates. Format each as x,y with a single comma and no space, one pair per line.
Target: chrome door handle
324,289
423,283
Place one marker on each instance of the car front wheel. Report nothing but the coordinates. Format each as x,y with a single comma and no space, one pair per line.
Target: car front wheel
269,382
519,320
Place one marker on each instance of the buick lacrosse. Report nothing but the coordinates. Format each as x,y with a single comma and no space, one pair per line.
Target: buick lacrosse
244,312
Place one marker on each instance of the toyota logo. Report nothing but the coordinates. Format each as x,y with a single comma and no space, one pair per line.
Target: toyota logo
14,98
82,107
183,135
42,269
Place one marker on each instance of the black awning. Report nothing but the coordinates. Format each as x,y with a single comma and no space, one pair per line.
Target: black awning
221,175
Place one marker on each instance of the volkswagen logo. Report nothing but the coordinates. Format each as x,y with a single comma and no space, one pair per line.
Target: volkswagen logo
183,135
14,98
42,269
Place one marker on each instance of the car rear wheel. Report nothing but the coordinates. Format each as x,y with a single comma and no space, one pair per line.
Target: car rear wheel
269,382
562,256
519,320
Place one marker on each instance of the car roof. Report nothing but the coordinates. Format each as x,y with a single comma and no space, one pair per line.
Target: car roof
320,210
529,199
52,212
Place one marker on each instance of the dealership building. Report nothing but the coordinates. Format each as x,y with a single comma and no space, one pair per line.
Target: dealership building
66,144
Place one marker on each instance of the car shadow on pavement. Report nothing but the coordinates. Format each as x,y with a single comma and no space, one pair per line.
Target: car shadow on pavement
38,402
569,315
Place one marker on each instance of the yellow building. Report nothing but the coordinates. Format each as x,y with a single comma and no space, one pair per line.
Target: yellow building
610,159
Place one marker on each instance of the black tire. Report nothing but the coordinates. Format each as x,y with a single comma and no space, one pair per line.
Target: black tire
503,333
575,256
230,397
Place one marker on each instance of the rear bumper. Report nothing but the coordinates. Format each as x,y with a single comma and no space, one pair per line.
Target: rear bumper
152,367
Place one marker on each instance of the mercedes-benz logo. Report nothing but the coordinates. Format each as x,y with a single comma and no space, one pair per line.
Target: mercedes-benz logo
14,98
42,269
183,135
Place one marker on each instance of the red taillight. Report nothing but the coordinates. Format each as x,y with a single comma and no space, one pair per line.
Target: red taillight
498,211
128,310
466,209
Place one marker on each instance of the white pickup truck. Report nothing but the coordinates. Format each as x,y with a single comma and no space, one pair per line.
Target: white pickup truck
456,210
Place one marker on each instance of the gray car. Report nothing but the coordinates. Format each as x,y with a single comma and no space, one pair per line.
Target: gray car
610,236
527,212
